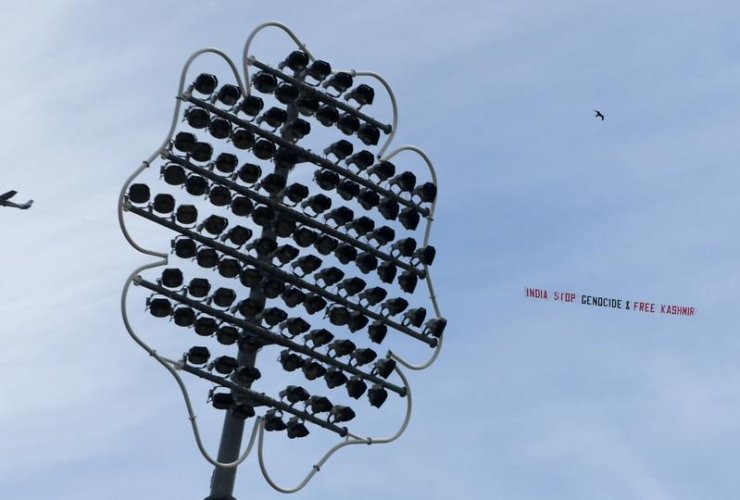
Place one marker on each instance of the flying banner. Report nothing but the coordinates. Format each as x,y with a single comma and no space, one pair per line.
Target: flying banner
632,305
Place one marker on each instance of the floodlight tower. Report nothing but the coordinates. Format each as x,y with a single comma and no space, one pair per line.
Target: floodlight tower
343,246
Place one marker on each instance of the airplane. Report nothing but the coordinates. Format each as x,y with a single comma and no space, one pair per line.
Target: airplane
5,201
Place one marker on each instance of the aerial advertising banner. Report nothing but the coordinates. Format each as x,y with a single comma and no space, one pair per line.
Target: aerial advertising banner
631,304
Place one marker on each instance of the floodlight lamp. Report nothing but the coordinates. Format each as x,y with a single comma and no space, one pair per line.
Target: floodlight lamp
238,235
373,296
314,303
426,192
348,124
229,268
435,327
226,163
357,321
196,185
219,196
316,204
199,288
296,428
293,296
183,316
250,277
242,411
263,246
224,364
326,179
173,174
242,138
327,115
362,94
227,335
172,278
307,105
362,225
197,117
285,253
404,247
198,355
264,82
201,152
184,248
329,276
229,94
159,307
207,258
368,199
377,395
263,215
306,264
387,272
294,394
138,193
345,253
341,413
394,306
305,237
382,235
340,216
241,206
409,218
377,332
296,130
247,374
273,421
325,244
340,149
290,360
294,326
352,286
214,224
340,81
425,255
186,214
366,262
184,142
283,226
205,83
286,93
274,117
296,192
222,400
251,105
272,288
334,377
369,134
318,70
408,281
318,404
219,128
313,370
205,326
318,337
273,316
263,149
384,367
362,159
249,307
383,170
414,317
356,387
296,60
405,181
363,356
342,347
348,189
388,208
223,297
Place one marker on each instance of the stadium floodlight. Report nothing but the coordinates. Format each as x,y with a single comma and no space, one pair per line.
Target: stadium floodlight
286,241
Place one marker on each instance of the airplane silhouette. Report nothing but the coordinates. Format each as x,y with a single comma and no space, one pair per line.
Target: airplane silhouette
599,114
5,201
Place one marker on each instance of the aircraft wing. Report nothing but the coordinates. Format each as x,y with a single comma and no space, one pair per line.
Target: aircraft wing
7,196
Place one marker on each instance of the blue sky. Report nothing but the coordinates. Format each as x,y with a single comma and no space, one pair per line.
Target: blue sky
529,399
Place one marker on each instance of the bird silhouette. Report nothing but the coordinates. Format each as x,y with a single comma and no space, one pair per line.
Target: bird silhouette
599,114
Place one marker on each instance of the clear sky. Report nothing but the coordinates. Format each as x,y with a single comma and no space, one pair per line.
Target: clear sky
530,399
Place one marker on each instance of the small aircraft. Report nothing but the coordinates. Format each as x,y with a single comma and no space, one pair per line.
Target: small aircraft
5,201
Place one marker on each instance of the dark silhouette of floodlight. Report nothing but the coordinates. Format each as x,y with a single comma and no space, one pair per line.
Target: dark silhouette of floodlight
340,149
334,377
405,181
388,208
199,288
357,321
348,124
172,278
377,332
207,258
264,82
404,247
361,225
286,93
242,138
185,248
318,337
317,204
219,196
263,246
342,347
229,268
294,394
318,70
383,170
242,411
293,296
325,179
306,264
224,364
340,216
183,316
409,218
272,287
362,94
290,360
384,367
362,159
205,83
387,272
251,105
223,297
313,370
329,276
197,117
339,81
241,206
369,134
373,296
185,141
186,214
227,335
205,326
296,60
307,105
425,255
296,428
263,149
201,152
198,355
238,235
363,356
283,226
408,281
214,224
366,262
286,253
368,199
377,395
263,215
226,163
325,244
273,421
274,117
173,174
294,326
314,303
318,404
426,192
382,235
222,400
435,327
327,115
340,413
249,307
345,253
395,306
304,237
352,286
348,189
296,193
229,94
356,387
296,130
247,374
219,128
250,277
196,185
414,317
